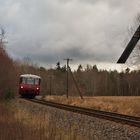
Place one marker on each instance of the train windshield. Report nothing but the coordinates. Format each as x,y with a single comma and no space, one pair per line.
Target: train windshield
30,80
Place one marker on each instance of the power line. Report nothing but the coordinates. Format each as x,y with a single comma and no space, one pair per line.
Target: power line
76,84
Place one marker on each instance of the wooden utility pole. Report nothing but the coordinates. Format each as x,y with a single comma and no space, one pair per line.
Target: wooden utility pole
69,70
75,83
67,88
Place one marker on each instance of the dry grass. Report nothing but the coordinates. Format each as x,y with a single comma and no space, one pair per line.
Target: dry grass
20,124
12,128
129,105
23,122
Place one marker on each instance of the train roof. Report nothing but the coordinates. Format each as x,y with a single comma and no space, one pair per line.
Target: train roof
30,75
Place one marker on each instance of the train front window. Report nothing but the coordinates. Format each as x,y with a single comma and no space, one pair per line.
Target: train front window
30,81
23,80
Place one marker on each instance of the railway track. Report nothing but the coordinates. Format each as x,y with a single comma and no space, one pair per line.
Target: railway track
119,118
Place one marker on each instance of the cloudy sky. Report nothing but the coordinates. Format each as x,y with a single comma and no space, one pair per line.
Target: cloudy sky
88,31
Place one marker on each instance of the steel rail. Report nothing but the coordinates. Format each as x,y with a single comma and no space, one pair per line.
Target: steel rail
119,118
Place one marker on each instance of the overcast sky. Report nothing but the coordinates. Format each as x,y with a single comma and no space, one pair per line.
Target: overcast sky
88,31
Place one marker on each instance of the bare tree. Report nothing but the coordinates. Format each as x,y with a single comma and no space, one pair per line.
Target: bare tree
2,36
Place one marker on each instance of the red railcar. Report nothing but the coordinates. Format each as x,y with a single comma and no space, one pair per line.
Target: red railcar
29,85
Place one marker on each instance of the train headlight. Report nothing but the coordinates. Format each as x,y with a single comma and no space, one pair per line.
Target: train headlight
21,86
37,88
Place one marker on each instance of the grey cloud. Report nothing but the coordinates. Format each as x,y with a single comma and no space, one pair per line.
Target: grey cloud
83,29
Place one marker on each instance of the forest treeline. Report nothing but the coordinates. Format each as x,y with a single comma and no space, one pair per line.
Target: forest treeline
94,82
91,81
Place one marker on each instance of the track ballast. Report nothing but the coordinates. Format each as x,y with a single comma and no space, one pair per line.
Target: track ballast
119,118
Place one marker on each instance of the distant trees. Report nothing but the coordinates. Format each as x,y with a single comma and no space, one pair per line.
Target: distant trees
59,68
94,82
79,69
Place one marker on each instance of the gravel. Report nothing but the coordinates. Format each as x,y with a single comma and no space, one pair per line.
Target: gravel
81,125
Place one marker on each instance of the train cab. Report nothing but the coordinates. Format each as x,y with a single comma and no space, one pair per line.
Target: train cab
29,85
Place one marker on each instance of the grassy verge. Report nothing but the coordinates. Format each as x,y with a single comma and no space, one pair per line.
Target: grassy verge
20,123
25,121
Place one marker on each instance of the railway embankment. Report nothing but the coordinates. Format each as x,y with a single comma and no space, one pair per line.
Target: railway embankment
68,125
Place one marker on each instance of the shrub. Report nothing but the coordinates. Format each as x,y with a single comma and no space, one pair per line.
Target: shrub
9,94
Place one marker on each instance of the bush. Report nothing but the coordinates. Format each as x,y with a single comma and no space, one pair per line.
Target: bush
9,94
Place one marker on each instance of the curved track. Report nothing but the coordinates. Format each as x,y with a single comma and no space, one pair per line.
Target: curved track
119,118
